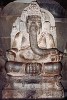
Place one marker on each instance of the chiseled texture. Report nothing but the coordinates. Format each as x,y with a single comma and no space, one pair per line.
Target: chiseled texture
32,79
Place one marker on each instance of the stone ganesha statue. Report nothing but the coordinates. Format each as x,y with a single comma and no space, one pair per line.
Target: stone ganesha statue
34,67
43,45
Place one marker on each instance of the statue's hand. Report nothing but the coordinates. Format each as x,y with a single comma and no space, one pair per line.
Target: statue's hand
56,56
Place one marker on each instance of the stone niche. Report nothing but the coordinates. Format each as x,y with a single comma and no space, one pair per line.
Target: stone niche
33,68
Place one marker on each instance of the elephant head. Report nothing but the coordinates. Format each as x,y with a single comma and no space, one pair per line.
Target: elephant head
33,28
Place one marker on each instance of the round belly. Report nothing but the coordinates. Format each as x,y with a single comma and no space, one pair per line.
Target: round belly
28,54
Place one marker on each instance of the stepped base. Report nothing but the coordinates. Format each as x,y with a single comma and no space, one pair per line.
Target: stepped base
33,94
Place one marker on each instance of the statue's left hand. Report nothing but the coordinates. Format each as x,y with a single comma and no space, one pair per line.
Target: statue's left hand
56,56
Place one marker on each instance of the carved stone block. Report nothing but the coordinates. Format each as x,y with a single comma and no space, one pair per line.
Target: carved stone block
33,66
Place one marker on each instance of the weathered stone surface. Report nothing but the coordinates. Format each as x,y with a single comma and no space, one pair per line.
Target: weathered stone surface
37,74
8,17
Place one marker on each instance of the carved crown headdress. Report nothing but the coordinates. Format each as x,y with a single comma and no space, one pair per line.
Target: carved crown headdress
32,9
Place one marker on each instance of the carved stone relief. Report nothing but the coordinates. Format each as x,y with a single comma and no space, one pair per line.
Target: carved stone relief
46,33
34,66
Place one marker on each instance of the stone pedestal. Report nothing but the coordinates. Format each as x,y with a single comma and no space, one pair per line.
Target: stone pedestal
36,81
